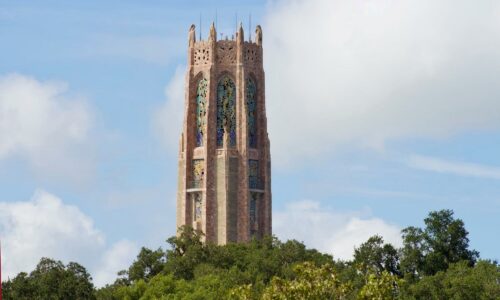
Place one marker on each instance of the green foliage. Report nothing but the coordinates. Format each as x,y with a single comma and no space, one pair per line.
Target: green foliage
51,280
460,281
147,265
380,287
375,256
434,263
21,287
443,241
187,252
310,282
412,253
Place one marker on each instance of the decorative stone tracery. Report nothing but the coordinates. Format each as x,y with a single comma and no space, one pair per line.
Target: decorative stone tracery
251,54
251,102
201,111
226,52
226,111
202,55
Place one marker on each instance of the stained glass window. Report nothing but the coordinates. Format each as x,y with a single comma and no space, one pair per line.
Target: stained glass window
201,111
197,206
226,111
253,174
251,100
253,208
198,173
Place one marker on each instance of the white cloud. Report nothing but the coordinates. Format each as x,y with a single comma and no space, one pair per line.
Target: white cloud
118,257
337,233
451,167
46,227
167,120
40,124
363,72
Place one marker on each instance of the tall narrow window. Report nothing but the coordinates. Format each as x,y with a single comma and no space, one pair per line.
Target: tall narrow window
253,208
197,206
253,213
198,173
226,111
251,99
253,174
201,111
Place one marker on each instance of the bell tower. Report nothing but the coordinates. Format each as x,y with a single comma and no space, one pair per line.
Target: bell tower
224,179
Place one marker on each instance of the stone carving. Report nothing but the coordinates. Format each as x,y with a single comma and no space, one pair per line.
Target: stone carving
202,55
226,52
251,54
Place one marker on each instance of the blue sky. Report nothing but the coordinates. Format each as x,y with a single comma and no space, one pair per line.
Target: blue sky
392,117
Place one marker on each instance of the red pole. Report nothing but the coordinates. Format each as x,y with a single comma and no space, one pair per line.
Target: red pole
1,271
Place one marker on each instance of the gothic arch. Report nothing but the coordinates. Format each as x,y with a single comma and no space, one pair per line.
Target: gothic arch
226,110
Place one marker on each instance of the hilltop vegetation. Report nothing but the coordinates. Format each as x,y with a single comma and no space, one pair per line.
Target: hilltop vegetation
435,262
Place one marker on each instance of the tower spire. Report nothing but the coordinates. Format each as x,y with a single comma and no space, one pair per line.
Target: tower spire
250,27
212,34
241,37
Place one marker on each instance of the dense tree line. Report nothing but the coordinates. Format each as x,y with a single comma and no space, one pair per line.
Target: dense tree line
435,262
51,280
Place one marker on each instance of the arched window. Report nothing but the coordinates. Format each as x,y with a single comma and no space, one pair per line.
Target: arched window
251,99
226,111
201,111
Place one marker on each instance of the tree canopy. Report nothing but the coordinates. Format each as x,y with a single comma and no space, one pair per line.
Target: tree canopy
435,262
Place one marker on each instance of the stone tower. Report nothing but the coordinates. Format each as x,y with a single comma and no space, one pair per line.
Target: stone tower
224,184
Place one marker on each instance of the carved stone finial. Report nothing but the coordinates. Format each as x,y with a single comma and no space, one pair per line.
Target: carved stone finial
192,36
239,37
258,35
212,35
